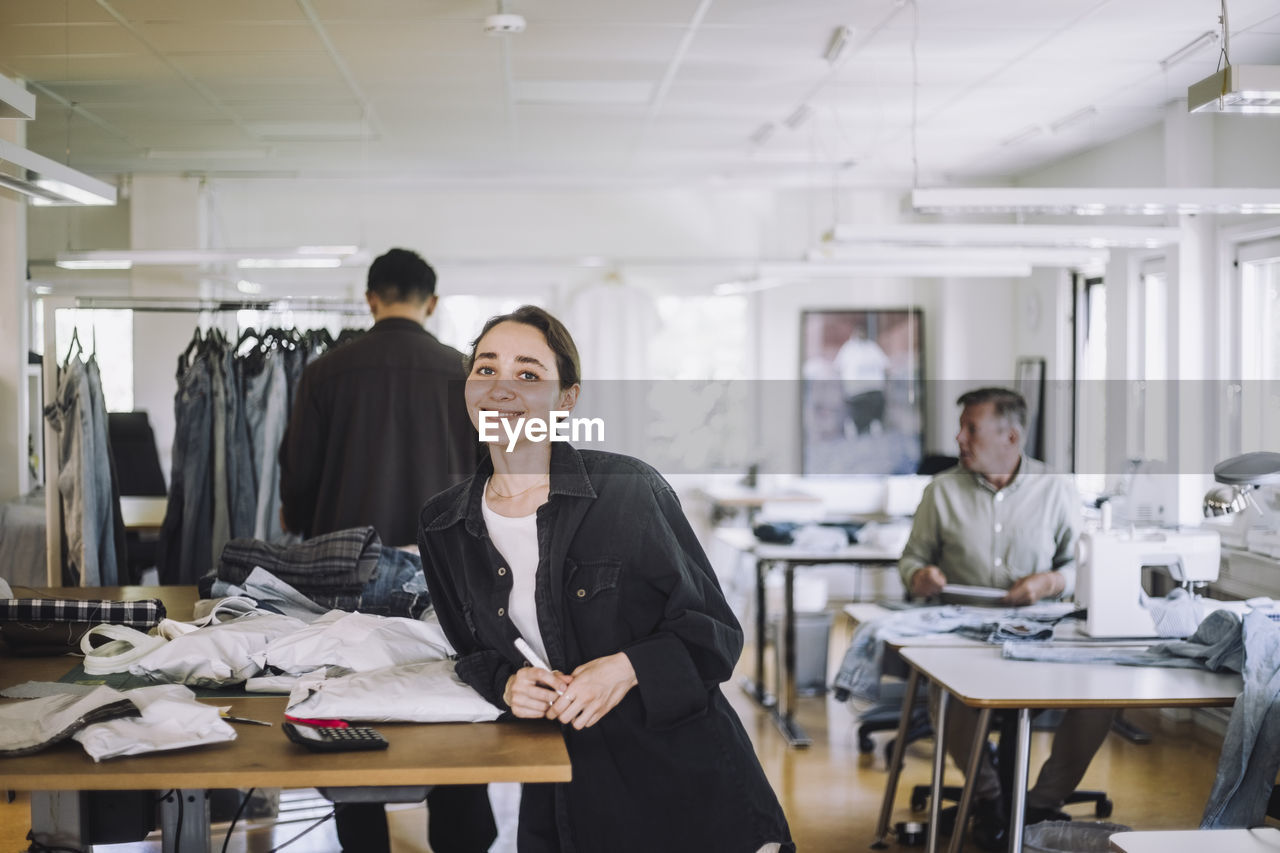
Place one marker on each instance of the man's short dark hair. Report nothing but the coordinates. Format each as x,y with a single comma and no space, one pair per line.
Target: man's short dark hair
401,276
1008,404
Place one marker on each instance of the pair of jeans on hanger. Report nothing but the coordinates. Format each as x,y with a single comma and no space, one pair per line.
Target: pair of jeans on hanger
89,503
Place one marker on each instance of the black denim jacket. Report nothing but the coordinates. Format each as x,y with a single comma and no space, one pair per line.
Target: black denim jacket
619,570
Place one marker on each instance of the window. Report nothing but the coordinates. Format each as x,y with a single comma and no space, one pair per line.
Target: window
458,318
1091,371
107,334
1151,413
1259,271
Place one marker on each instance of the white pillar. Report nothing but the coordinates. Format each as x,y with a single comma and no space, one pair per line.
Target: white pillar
13,334
1189,162
165,212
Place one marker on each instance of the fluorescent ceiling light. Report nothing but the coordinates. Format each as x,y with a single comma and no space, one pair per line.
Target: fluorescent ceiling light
303,257
745,285
966,234
1190,48
208,153
1096,201
246,286
630,92
89,264
50,182
965,257
288,263
890,269
15,100
841,40
798,116
342,251
1022,136
762,134
1237,89
1073,119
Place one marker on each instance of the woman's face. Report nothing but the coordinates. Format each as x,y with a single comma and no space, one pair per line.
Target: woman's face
514,376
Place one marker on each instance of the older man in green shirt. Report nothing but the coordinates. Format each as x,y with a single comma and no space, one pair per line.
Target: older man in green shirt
1000,520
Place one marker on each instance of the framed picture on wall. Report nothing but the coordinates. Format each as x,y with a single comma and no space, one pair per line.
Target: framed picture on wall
862,409
1029,382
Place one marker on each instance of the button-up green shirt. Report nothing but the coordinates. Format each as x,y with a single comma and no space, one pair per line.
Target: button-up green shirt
983,536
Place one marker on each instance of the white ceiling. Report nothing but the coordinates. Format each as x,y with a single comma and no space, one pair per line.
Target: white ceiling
604,91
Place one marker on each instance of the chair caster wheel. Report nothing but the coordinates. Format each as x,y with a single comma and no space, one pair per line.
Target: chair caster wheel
1103,808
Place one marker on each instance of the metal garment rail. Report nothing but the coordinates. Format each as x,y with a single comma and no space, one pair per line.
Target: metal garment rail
178,305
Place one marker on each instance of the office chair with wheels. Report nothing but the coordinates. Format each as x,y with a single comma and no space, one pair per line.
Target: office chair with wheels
885,714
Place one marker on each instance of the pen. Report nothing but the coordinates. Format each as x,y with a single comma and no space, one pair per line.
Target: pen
231,719
532,657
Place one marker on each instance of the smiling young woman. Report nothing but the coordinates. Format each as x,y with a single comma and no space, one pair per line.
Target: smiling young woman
587,557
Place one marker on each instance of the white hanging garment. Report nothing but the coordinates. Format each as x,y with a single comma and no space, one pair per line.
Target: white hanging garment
171,719
356,642
427,692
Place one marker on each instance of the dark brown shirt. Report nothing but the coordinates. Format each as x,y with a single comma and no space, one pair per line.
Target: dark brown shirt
378,426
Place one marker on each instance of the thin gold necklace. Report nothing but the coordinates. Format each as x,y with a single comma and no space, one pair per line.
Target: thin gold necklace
494,489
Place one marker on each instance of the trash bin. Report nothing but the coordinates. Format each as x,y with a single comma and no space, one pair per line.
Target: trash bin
813,633
1076,836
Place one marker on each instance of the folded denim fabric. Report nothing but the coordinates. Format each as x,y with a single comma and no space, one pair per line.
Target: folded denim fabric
334,562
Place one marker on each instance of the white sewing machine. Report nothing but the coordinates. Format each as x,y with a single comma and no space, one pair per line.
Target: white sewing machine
1109,573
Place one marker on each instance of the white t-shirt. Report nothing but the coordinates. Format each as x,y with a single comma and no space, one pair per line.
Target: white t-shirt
517,541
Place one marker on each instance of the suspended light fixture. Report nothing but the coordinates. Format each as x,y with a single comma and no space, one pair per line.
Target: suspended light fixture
48,182
1250,89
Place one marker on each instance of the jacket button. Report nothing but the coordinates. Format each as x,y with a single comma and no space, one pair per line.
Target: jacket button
502,570
582,593
502,611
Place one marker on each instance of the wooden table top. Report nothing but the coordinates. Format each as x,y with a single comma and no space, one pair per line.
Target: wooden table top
419,754
981,678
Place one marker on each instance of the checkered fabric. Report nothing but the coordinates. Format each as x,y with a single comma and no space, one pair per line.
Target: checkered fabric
335,562
136,614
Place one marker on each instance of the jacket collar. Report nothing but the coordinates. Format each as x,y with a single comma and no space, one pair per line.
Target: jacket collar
398,324
569,477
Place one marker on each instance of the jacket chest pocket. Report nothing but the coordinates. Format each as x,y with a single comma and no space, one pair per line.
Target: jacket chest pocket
589,580
591,593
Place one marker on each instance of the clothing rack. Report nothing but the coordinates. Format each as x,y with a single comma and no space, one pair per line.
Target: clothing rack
200,306
177,305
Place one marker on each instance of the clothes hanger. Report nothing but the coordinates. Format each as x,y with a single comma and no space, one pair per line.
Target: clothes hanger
75,342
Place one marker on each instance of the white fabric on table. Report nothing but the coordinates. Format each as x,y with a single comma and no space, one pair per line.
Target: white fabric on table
171,719
356,642
428,692
33,724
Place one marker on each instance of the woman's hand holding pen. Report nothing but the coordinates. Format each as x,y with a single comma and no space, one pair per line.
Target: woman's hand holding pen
596,687
531,690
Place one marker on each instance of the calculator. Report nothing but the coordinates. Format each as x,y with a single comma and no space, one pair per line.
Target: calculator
334,739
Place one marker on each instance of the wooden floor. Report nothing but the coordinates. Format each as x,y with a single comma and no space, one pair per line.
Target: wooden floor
830,792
